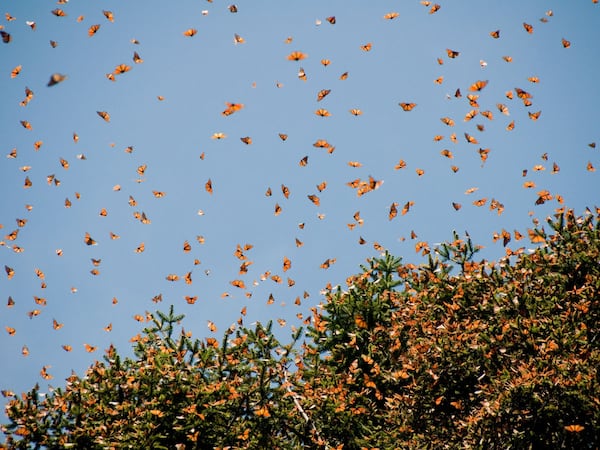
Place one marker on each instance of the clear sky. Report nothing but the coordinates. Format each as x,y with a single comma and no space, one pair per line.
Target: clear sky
195,76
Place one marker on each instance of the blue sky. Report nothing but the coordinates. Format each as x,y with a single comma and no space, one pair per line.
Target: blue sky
197,76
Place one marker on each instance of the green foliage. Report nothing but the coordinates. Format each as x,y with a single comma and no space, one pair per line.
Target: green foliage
497,355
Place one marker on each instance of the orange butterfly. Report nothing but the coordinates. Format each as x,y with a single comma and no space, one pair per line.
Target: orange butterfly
109,15
104,115
140,248
322,94
456,206
401,165
510,126
495,34
303,162
439,80
448,121
93,30
574,428
391,15
322,113
190,32
528,27
478,85
435,8
59,12
393,211
407,106
313,198
191,300
344,76
470,115
470,139
534,115
447,153
296,56
121,68
325,62
451,53
565,43
16,71
367,47
356,112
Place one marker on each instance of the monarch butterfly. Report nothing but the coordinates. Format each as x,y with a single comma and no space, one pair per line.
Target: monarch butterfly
470,115
88,239
109,15
529,184
470,139
136,58
440,61
480,202
285,190
422,246
140,248
327,263
238,284
218,136
487,114
590,167
233,9
303,162
344,76
447,153
53,44
16,71
322,112
237,39
533,79
407,106
420,172
190,32
574,428
315,199
93,30
495,34
502,108
59,12
507,58
121,68
510,126
67,348
322,94
565,43
439,80
354,164
296,56
331,20
452,53
104,115
325,62
246,140
191,300
448,121
401,165
534,115
391,15
321,143
393,211
437,138
528,27
208,186
26,124
435,8
367,47
478,85
406,207
456,206
31,24
277,209
89,348
356,112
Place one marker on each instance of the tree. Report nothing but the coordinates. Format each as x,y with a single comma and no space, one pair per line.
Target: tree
455,353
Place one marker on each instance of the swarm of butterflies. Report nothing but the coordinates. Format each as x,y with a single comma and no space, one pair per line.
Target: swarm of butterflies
247,277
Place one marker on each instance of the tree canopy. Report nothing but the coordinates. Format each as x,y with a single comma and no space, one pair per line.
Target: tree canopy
455,353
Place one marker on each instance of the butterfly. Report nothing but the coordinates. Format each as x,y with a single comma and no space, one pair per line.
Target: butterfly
208,186
470,139
401,165
533,79
16,71
367,47
507,58
104,115
439,80
574,428
322,94
191,300
495,34
356,112
448,121
393,211
325,62
6,37
109,15
136,58
407,106
502,108
233,9
480,202
470,115
246,140
303,162
121,68
534,115
53,44
452,53
93,30
190,32
140,248
238,284
510,126
565,43
296,56
435,8
447,153
237,39
89,348
59,12
391,15
88,239
456,206
406,207
313,198
322,112
478,85
528,27
344,76
218,136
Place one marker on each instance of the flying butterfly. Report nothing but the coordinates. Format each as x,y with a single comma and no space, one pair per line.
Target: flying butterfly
478,85
92,30
56,78
109,15
528,27
407,106
296,56
190,32
104,115
367,47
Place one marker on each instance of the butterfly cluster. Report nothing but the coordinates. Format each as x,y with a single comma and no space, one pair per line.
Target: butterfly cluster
226,165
